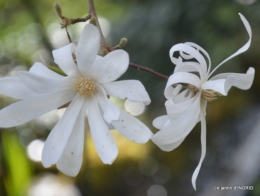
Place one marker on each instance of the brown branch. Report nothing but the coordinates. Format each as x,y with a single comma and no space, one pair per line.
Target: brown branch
104,46
149,70
70,21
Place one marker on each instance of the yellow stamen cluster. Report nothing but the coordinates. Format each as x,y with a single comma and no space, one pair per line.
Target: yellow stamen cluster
85,87
210,95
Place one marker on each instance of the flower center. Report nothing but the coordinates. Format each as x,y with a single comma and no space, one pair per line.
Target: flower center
85,87
210,95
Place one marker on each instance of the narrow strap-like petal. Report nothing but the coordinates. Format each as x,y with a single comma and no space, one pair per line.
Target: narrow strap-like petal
28,109
242,49
103,140
59,136
203,146
111,67
42,70
87,49
244,81
71,160
221,86
63,57
180,77
13,87
132,128
130,89
110,111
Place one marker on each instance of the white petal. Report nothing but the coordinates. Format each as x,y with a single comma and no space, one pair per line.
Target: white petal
132,128
63,57
221,86
59,136
103,140
134,108
203,147
189,67
169,137
180,77
37,83
160,121
244,81
192,52
42,85
42,70
242,49
175,110
87,49
71,160
28,109
111,67
13,87
127,89
110,111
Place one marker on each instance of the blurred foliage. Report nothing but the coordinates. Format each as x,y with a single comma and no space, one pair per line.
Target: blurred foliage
152,27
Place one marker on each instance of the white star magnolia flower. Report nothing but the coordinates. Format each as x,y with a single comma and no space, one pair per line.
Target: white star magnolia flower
87,86
186,108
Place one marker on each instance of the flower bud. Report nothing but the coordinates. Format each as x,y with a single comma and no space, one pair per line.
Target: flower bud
122,42
57,9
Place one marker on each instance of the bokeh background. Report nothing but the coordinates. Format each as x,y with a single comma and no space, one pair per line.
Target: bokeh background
30,30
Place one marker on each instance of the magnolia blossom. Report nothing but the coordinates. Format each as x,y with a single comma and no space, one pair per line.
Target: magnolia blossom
187,94
90,80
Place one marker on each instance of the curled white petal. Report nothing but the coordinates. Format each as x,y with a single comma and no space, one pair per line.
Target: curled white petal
244,81
180,77
169,137
242,49
221,86
186,48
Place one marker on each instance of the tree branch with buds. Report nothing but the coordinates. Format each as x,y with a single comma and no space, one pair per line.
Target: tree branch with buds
105,48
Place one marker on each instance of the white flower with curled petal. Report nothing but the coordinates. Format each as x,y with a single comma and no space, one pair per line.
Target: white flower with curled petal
187,94
86,86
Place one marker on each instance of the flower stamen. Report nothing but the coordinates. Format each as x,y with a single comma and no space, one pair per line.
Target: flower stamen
85,87
210,95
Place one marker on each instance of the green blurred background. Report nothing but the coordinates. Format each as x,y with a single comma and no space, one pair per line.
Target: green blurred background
30,30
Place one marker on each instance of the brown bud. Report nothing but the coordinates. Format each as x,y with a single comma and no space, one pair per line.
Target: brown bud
57,9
